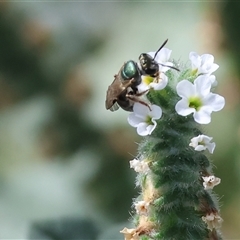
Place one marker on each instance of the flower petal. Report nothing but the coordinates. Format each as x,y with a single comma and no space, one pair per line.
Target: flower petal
164,67
208,66
211,147
199,148
163,81
203,116
214,68
163,55
151,54
150,128
156,112
134,120
207,58
140,110
203,85
216,102
213,80
183,109
142,129
185,89
195,59
142,87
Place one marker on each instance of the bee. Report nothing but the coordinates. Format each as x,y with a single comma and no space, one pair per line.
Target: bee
123,91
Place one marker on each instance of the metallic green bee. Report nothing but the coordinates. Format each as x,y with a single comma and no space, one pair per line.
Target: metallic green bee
123,91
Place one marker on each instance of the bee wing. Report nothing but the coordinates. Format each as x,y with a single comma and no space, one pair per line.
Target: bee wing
114,107
112,94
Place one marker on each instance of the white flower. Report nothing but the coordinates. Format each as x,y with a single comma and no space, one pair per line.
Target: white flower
162,58
139,166
150,82
197,99
141,207
202,142
213,220
144,119
202,64
210,182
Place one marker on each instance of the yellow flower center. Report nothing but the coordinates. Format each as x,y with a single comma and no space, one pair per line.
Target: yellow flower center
195,102
149,120
147,80
194,72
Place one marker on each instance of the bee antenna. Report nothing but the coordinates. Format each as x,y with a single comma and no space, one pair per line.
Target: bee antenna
170,67
160,48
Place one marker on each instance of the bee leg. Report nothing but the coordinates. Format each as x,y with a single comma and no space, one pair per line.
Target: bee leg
128,83
141,93
157,77
134,98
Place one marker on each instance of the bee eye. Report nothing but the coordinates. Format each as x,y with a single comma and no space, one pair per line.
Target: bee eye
143,56
129,70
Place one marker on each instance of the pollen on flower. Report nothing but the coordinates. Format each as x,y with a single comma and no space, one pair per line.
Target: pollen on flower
213,220
210,182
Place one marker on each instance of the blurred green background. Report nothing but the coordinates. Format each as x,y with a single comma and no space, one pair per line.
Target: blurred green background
62,154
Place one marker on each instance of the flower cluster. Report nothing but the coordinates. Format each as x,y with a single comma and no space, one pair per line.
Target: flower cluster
172,160
196,97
